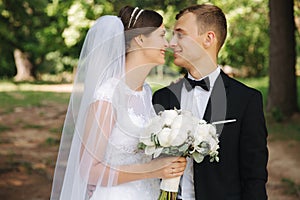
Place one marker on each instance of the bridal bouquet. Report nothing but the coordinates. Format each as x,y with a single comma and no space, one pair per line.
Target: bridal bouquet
179,133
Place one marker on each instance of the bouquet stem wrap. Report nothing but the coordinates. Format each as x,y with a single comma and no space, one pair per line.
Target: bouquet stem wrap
170,184
169,188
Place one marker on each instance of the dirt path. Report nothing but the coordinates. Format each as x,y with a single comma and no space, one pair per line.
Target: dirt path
28,150
284,170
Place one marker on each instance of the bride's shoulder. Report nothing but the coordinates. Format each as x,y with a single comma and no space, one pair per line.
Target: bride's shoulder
147,88
110,83
106,90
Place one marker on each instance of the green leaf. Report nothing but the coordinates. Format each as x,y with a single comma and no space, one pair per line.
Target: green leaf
198,157
141,146
184,148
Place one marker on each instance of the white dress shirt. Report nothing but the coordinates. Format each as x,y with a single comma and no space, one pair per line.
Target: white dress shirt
194,101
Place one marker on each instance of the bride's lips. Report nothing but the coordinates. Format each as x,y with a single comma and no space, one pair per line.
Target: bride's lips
163,51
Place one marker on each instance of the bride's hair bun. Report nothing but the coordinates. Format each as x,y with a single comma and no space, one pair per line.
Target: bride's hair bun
137,21
146,18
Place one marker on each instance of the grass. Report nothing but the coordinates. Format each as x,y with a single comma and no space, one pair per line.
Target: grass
291,187
11,100
52,141
55,130
32,126
284,131
4,128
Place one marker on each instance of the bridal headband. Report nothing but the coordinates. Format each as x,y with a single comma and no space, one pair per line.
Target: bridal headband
136,17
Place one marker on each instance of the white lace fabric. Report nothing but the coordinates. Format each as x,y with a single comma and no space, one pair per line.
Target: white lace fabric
131,110
132,114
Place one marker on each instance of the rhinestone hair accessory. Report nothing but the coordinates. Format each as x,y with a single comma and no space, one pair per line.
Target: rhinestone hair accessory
131,17
137,16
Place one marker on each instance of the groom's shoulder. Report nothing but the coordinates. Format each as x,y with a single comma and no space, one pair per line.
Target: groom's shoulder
172,88
241,87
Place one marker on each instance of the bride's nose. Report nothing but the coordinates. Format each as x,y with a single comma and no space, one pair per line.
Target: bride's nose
166,44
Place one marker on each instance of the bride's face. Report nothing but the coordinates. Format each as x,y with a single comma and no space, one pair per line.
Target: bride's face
154,46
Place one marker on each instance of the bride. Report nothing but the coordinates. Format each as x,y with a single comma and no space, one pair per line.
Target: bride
109,107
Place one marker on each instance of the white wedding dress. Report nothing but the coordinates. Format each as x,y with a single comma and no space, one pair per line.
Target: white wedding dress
133,110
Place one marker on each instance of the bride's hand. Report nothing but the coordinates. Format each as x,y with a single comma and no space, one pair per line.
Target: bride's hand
168,167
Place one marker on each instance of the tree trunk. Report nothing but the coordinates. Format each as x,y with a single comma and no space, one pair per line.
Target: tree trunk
24,66
282,95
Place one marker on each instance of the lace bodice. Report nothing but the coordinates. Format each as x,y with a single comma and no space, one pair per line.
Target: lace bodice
133,110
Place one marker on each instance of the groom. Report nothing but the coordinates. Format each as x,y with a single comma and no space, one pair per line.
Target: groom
241,173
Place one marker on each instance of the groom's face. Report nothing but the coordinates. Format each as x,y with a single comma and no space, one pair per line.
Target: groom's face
186,41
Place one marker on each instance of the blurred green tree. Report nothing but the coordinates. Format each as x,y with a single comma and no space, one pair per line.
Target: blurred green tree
19,34
48,35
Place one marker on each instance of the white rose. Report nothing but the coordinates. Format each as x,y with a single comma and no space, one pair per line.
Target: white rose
149,150
181,126
177,122
214,145
207,133
157,152
214,140
201,133
192,120
184,122
197,140
153,127
202,121
212,129
178,137
164,137
147,140
168,116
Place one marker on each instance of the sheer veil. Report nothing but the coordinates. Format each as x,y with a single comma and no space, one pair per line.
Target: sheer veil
89,120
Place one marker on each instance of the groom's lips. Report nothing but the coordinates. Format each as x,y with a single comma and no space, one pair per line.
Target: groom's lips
176,54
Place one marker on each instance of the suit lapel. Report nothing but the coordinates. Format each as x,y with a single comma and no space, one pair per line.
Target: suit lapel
175,96
217,104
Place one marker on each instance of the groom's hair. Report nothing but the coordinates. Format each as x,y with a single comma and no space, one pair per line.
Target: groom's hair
209,18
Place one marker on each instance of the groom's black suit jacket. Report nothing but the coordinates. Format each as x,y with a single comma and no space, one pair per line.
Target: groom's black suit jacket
241,173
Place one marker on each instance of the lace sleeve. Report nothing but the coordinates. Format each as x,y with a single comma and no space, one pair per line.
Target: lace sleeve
106,91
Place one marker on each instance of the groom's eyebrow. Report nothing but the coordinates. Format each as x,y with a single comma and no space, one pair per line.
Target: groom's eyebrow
179,30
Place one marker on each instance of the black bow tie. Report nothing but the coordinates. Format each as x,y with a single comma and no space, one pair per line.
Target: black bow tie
190,84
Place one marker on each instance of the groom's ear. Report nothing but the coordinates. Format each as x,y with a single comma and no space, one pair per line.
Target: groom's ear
209,39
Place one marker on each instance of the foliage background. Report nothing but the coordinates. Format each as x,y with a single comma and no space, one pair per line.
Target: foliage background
52,32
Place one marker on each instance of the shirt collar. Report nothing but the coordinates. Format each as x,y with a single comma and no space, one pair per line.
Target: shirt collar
212,76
